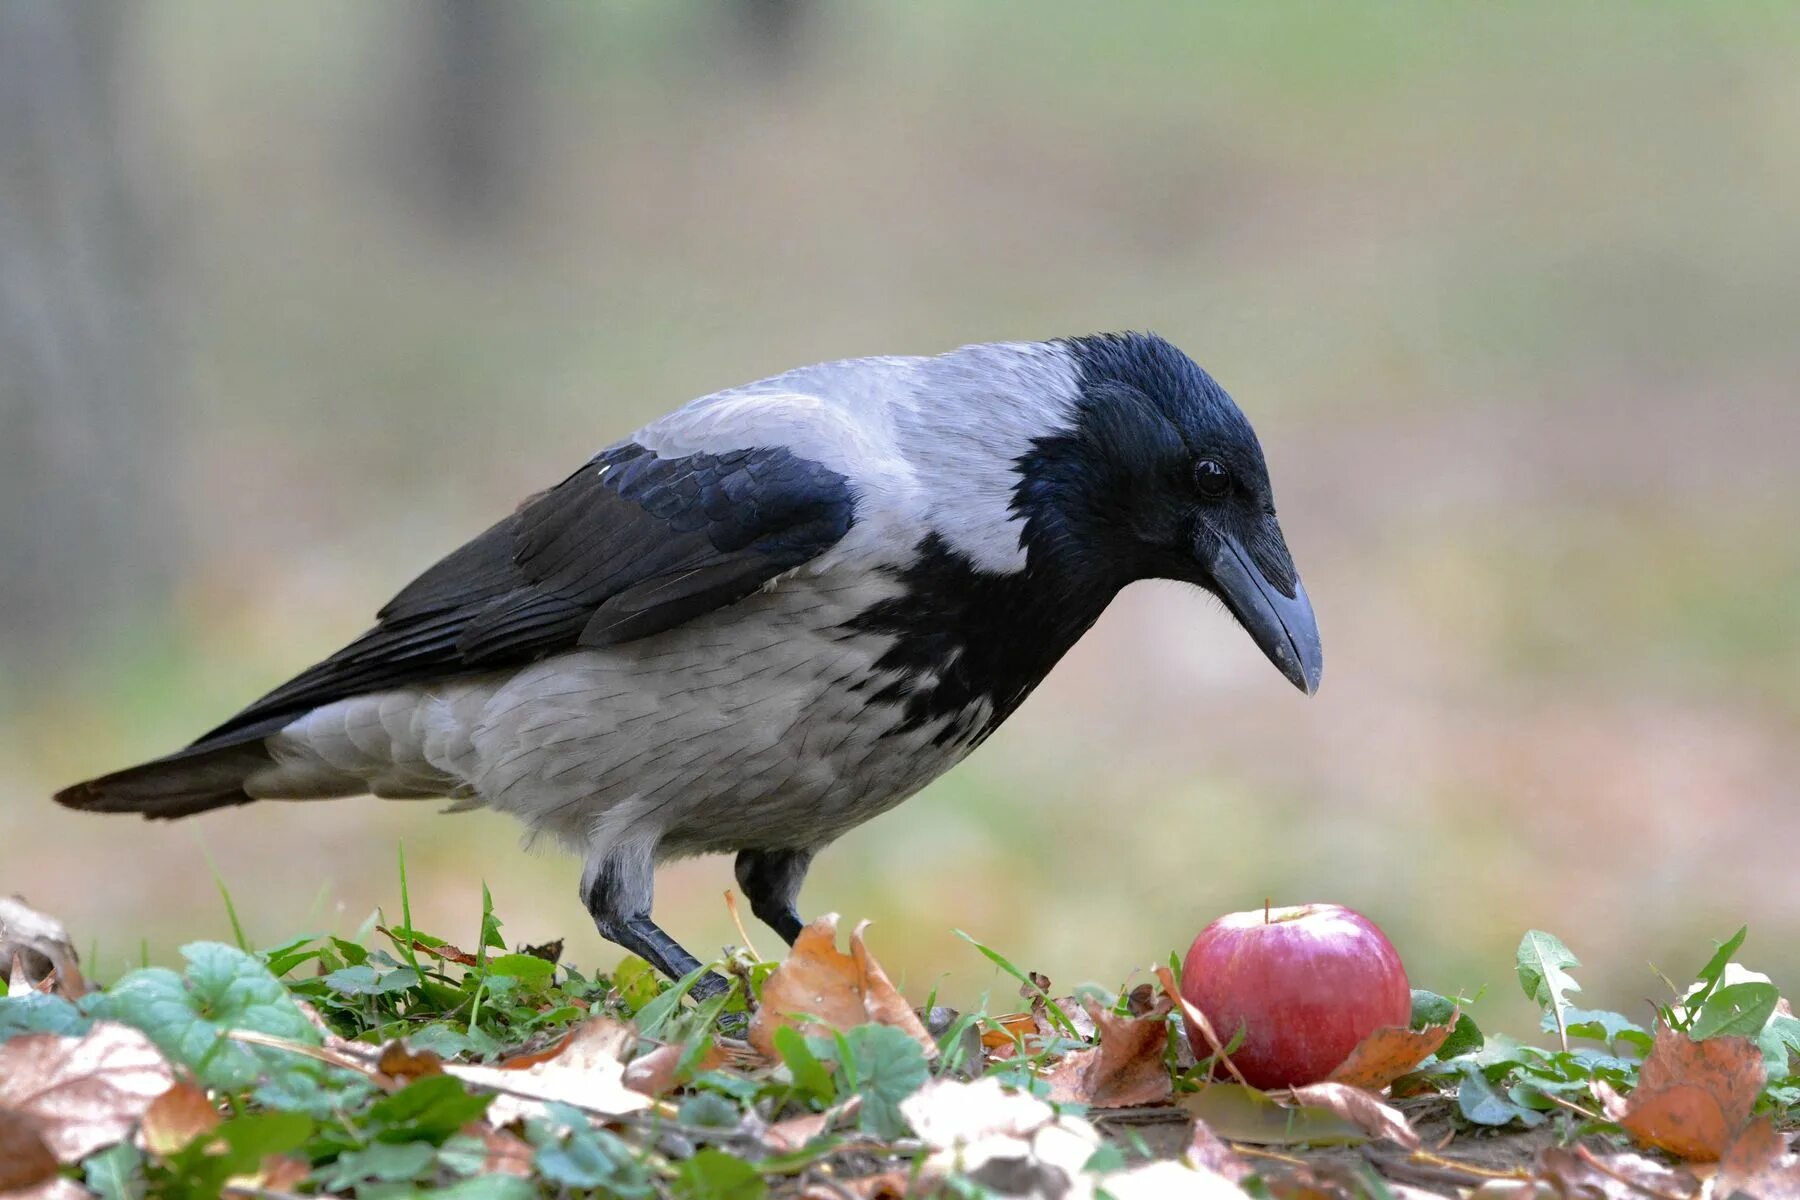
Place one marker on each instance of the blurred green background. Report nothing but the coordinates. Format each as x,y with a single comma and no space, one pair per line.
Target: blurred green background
294,298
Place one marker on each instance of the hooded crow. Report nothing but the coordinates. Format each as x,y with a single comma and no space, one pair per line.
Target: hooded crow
773,614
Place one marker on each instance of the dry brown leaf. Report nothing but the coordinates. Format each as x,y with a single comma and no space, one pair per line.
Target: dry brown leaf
841,990
25,1159
1362,1109
41,946
586,1069
177,1117
507,1153
83,1092
1168,1180
1008,1031
796,1132
443,953
1692,1097
282,1173
1580,1174
1758,1165
1197,1020
53,1189
402,1064
1390,1052
1125,1069
1207,1149
658,1072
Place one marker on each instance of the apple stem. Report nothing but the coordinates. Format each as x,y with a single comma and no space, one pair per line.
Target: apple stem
1266,902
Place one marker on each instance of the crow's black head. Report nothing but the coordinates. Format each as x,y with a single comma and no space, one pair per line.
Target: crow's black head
1162,477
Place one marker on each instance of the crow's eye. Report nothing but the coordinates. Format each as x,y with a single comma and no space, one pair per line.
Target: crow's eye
1212,478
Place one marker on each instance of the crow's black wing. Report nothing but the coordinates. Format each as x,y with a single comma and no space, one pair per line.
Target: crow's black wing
629,545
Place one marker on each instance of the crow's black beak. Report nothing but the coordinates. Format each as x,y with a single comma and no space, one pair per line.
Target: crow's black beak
1284,627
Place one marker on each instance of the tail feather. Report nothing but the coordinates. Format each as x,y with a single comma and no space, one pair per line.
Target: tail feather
203,777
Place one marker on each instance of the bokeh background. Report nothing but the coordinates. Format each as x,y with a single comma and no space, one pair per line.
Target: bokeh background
294,298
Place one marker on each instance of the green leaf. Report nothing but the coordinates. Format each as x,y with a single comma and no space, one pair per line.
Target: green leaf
810,1075
637,982
1543,967
364,980
487,1187
1052,1010
188,1016
714,1175
1104,1160
254,1137
1714,969
886,1066
708,1110
1483,1104
382,1162
1780,1040
429,1109
35,1012
524,967
1429,1008
1740,1010
654,1015
115,1173
1598,1025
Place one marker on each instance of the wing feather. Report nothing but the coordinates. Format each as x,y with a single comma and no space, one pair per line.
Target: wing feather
630,545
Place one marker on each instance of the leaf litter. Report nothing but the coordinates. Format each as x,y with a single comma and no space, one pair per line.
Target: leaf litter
330,1066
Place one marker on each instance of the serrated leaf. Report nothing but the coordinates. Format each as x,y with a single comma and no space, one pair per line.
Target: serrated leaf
888,1067
1780,1041
188,1015
1739,1010
1599,1025
1543,967
527,968
40,1012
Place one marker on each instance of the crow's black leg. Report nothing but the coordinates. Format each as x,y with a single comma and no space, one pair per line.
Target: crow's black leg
617,892
771,880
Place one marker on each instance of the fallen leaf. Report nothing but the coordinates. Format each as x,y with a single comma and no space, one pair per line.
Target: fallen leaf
550,952
658,1071
796,1132
1580,1174
1246,1114
507,1153
1362,1109
1125,1069
284,1173
402,1064
1758,1164
1207,1149
41,946
177,1117
53,1189
1390,1052
25,1160
1197,1020
1008,1141
82,1092
1008,1031
1692,1097
839,990
1166,1180
585,1070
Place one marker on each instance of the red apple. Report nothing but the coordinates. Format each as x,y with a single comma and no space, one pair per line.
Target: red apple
1306,984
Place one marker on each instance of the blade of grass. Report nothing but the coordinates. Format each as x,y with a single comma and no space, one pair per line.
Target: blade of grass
1058,1017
